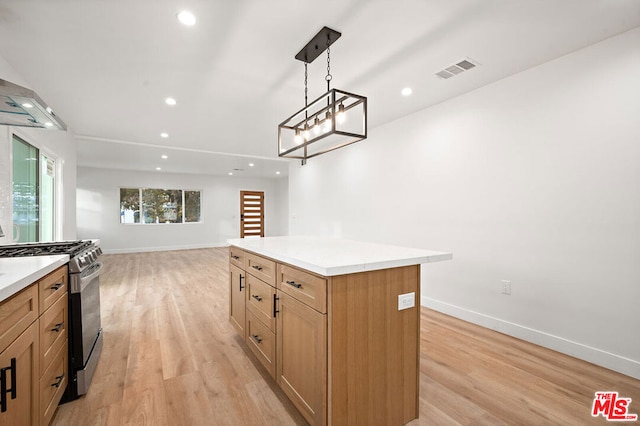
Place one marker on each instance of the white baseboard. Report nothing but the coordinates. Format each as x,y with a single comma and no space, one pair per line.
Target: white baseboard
596,356
165,248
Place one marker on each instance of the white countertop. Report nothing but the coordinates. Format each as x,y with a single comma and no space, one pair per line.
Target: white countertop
17,273
334,256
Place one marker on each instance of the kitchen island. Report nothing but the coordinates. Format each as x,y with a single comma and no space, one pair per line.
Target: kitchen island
335,322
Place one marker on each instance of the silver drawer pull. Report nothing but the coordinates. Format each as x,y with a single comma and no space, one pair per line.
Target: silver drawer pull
256,267
294,284
256,338
58,327
258,298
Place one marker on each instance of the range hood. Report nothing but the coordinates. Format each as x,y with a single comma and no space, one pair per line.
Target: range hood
20,106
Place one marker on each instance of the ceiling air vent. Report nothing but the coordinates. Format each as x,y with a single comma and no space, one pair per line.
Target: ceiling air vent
457,68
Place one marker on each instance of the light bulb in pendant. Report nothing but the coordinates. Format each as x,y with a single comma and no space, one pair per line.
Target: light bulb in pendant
316,126
327,122
298,137
340,116
305,133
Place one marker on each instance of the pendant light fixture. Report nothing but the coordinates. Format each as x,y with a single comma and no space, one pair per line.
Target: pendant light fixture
335,119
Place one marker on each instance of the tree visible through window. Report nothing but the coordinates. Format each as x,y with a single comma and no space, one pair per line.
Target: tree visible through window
150,205
129,205
192,206
162,205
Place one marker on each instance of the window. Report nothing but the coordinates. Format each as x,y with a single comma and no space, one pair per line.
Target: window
192,206
33,193
150,205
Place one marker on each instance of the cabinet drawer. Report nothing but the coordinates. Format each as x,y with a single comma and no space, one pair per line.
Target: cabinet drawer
52,386
262,343
16,314
262,268
260,301
52,287
237,257
53,332
307,288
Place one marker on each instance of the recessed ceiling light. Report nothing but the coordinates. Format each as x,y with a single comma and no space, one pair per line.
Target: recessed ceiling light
158,168
250,164
406,91
187,18
170,101
164,157
164,135
27,105
277,173
230,174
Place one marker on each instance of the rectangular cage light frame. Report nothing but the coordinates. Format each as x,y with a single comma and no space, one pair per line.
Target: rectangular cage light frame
334,134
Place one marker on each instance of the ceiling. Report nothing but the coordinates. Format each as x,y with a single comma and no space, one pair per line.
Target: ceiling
106,66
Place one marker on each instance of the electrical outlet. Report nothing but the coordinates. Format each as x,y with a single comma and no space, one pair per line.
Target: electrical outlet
406,301
506,287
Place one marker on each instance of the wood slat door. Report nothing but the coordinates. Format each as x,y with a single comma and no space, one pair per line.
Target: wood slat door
251,214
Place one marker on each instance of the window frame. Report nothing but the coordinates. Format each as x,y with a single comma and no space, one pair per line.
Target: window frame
140,206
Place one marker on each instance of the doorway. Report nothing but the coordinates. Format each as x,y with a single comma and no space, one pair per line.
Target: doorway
251,214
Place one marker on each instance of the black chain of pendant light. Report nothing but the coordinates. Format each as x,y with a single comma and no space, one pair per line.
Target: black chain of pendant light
329,76
306,88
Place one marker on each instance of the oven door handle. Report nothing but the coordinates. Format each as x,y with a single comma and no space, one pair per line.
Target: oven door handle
84,280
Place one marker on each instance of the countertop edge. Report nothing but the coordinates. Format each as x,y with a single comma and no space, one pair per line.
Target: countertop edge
31,277
329,271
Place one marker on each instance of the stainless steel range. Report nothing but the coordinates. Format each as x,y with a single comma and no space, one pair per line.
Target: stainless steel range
85,331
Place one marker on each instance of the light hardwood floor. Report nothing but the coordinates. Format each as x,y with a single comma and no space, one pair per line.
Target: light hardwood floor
172,358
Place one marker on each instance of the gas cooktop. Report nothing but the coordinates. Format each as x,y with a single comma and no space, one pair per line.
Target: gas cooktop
71,248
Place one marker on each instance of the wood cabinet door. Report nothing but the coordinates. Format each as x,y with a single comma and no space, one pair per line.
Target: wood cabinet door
302,357
22,355
237,299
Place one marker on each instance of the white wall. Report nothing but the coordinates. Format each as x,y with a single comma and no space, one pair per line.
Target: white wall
533,179
60,145
98,201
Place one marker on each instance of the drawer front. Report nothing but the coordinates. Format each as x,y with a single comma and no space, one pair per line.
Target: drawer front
262,268
52,287
52,386
53,332
260,301
307,288
237,257
262,343
16,314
